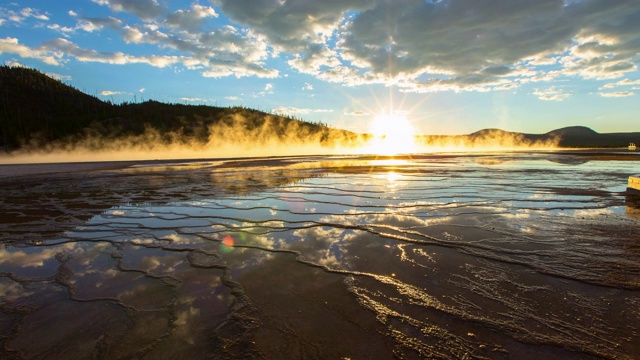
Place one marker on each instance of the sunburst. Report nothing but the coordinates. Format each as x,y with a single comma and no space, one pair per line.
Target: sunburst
392,134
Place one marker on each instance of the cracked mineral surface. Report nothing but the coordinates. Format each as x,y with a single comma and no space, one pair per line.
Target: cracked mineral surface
461,256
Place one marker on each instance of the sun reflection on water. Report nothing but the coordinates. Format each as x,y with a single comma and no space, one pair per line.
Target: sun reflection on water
392,178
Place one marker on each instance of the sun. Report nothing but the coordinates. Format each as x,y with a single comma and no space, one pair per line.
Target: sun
392,134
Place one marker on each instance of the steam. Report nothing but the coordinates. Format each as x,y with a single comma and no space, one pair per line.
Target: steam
237,137
488,140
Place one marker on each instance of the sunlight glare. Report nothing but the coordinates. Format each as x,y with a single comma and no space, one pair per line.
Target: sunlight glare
392,134
392,177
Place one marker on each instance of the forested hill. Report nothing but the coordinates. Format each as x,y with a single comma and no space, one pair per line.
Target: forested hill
33,103
36,110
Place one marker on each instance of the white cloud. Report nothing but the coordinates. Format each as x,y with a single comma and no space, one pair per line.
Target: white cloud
460,45
287,110
291,25
90,24
144,9
223,69
11,63
68,48
617,94
109,93
268,90
225,51
20,16
135,35
232,98
64,30
58,76
142,90
192,19
51,52
220,53
625,82
417,46
552,94
357,113
190,99
29,12
11,46
314,59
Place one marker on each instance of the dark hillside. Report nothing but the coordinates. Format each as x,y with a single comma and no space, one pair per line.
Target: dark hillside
36,110
33,104
581,136
573,131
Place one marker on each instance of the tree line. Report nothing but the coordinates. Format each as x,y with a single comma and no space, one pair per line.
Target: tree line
37,109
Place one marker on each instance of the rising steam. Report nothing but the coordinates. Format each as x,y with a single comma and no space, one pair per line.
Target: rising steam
487,140
238,136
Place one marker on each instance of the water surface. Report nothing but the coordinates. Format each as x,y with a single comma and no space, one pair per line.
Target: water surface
500,256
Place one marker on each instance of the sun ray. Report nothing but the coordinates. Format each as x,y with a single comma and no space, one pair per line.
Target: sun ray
392,134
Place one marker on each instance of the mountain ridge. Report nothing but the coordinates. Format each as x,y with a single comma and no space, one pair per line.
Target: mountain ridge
37,110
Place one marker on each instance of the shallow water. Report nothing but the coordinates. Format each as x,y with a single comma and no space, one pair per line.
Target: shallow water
500,256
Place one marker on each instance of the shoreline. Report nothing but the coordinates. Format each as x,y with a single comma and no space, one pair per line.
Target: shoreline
8,170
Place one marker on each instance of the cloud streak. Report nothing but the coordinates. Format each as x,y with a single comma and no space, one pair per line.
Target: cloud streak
192,99
290,110
12,46
551,94
191,20
110,92
20,16
617,94
144,9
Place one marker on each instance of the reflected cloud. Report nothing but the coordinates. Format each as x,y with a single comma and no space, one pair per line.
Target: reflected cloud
518,214
390,219
30,257
12,291
592,212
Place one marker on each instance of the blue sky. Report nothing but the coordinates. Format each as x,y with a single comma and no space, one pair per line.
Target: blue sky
449,66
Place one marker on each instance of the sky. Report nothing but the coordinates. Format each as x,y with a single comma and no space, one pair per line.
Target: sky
448,66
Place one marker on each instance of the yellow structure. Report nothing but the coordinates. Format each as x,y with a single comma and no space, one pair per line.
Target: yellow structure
634,185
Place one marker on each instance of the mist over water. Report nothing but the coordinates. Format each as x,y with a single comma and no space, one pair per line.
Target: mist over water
497,256
239,137
233,136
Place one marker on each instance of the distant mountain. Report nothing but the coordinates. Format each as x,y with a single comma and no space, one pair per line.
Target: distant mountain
581,136
568,137
36,111
573,131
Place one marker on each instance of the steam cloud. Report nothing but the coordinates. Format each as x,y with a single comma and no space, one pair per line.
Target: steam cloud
238,136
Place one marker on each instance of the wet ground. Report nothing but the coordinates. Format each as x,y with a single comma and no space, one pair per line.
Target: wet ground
496,256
